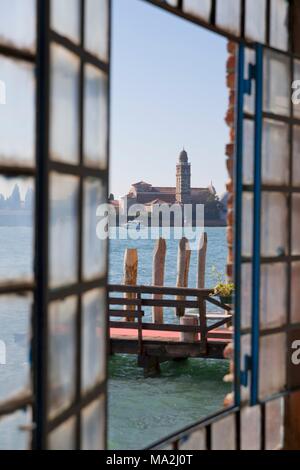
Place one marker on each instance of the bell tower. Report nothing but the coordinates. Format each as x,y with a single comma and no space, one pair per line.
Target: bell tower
183,179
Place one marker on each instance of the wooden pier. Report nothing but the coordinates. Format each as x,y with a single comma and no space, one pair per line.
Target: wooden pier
196,334
193,332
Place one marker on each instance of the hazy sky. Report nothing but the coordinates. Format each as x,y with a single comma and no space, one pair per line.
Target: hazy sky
168,90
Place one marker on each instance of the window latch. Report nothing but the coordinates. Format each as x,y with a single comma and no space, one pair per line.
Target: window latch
247,369
248,81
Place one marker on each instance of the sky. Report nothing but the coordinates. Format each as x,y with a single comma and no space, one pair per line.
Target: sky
168,91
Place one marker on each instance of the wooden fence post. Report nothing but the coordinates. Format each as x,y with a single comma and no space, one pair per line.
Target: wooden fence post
130,276
183,266
159,257
202,261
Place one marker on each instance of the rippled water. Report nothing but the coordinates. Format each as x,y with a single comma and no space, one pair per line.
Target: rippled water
141,410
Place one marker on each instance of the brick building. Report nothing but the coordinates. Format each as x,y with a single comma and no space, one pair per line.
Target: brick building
149,195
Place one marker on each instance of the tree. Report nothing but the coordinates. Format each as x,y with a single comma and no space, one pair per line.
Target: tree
14,200
2,201
29,199
212,207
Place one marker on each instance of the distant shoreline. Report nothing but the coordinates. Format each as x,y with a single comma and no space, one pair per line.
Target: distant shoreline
208,223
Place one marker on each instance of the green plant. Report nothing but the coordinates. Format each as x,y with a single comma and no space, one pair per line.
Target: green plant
222,288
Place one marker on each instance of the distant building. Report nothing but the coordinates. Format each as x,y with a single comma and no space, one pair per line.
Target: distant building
146,194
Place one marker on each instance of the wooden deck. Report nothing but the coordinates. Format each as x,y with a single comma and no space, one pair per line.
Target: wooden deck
155,343
168,344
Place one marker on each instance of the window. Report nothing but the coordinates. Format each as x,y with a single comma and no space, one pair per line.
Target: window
54,171
54,153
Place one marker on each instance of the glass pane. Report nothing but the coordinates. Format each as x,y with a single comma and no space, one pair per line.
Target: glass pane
248,156
279,24
228,15
62,351
272,365
15,336
63,229
17,113
11,436
246,291
64,105
255,23
173,3
199,9
194,441
93,360
96,27
250,428
65,18
63,438
273,295
274,214
16,229
295,294
274,424
93,426
276,83
296,156
296,224
95,117
94,250
223,434
297,77
167,447
275,154
247,225
18,24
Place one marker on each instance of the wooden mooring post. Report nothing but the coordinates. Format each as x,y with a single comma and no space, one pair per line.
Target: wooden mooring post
202,261
130,277
201,279
158,277
183,266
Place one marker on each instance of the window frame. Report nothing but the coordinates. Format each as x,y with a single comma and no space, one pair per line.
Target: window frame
39,287
44,294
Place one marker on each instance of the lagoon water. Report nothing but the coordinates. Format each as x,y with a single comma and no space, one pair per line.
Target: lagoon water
141,411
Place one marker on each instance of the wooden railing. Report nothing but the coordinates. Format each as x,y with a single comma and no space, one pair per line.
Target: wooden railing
130,310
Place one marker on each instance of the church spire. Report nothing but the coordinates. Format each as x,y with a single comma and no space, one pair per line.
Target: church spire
183,178
183,157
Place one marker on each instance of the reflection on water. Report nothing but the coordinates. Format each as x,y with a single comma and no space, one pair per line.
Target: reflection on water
142,411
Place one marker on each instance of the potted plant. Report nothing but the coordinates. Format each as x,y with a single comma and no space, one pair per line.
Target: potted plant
224,290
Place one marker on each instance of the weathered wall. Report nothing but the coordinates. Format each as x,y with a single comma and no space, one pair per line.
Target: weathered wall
229,151
230,120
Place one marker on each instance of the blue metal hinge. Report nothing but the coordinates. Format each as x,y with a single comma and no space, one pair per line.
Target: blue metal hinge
247,369
248,81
